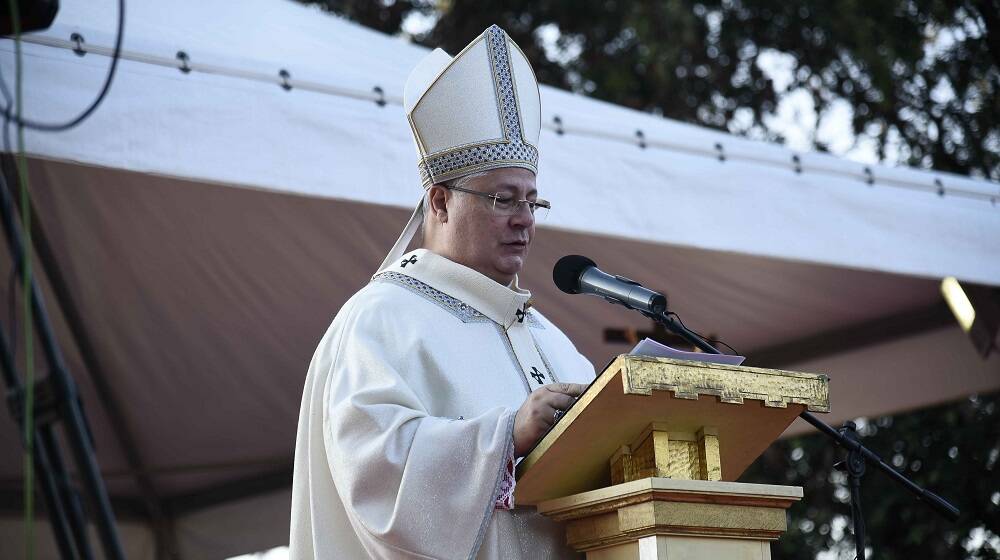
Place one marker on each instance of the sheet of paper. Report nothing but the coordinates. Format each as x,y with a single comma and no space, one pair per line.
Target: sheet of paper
648,347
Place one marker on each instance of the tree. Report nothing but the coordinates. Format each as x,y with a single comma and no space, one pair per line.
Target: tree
925,445
919,78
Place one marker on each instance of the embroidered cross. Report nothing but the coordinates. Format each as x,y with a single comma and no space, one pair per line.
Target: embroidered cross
411,260
537,375
520,315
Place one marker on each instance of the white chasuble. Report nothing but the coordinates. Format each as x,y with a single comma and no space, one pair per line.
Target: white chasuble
406,425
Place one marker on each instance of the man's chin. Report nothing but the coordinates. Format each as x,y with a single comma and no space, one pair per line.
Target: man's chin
509,264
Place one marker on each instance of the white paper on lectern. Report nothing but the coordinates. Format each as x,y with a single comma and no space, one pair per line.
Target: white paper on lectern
648,347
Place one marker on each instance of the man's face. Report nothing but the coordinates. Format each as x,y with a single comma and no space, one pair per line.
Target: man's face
486,241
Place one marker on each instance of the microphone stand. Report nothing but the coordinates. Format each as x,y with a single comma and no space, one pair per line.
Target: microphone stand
858,456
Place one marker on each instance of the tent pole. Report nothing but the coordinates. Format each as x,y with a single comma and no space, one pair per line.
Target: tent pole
165,540
63,388
45,467
70,498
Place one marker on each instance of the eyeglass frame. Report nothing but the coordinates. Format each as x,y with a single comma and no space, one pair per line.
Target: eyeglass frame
532,204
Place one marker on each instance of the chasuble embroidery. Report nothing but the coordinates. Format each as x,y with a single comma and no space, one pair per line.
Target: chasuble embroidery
463,311
535,377
384,467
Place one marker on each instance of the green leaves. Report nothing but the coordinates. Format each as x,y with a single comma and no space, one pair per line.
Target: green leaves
921,77
951,450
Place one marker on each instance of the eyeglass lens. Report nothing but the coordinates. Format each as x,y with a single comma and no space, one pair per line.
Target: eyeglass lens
507,206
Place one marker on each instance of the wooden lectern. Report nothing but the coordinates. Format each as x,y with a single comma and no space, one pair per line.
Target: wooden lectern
642,466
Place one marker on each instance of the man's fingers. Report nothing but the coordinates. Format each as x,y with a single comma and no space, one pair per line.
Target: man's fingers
559,401
548,403
545,409
571,389
538,413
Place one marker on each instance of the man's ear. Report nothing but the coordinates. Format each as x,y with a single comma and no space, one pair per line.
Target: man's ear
437,200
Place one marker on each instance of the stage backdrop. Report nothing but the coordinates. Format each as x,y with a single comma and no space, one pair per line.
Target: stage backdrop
206,223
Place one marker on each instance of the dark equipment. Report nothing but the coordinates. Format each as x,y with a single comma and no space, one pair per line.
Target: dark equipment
57,403
35,15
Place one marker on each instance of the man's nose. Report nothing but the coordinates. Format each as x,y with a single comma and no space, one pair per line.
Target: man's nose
522,216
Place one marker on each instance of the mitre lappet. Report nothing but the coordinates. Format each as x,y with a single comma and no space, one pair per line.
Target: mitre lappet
474,112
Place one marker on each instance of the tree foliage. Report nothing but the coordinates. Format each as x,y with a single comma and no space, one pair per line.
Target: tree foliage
921,81
951,450
918,78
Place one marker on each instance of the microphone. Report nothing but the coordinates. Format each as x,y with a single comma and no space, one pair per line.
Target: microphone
575,274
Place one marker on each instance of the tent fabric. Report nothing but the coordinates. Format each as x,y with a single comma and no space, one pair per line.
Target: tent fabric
229,121
208,225
204,303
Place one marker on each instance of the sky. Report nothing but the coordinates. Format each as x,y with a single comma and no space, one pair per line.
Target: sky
795,117
796,120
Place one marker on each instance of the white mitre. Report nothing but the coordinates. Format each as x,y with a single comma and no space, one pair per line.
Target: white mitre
475,112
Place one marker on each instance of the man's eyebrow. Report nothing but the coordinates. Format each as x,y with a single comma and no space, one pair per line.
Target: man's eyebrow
513,187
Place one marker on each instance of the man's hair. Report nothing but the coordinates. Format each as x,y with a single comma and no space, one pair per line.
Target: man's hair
424,209
464,179
459,183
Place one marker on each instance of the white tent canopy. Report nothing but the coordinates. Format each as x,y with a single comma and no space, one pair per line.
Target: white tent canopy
208,223
227,122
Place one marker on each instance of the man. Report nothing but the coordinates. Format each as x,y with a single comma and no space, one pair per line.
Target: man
438,375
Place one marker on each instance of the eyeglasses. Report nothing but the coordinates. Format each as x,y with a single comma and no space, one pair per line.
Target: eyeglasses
504,204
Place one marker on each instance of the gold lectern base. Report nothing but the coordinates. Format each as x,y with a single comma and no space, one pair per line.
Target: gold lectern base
658,547
664,518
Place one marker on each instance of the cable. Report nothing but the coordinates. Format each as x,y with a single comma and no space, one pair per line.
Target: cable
710,340
6,132
12,300
58,127
14,102
12,283
20,167
7,99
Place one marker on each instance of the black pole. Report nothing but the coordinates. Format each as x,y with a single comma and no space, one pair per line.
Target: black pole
855,469
60,513
858,454
70,499
42,455
64,386
937,503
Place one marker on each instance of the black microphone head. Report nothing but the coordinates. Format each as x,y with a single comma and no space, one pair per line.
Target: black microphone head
566,273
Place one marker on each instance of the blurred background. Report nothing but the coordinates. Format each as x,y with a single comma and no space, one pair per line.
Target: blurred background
909,83
799,177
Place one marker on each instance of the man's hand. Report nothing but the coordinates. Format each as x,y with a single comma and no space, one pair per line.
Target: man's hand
536,415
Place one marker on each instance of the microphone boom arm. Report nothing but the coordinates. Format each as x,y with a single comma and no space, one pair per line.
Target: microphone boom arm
859,455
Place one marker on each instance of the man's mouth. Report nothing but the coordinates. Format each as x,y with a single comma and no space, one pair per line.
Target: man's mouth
518,247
